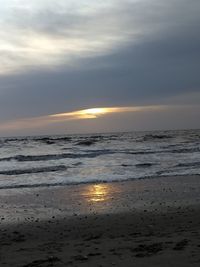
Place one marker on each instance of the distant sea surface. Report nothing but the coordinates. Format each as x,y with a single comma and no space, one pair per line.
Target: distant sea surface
72,159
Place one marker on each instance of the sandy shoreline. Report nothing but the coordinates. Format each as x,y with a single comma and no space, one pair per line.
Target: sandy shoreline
140,223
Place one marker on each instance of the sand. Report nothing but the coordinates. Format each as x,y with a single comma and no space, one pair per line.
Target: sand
138,223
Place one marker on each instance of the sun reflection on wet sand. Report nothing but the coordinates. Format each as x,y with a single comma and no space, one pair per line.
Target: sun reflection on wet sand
97,193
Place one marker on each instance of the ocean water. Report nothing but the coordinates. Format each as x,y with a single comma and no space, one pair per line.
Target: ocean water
72,159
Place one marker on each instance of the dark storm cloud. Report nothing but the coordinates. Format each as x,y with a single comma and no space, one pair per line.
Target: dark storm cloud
158,60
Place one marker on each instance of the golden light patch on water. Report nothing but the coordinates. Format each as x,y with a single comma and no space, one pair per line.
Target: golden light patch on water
97,193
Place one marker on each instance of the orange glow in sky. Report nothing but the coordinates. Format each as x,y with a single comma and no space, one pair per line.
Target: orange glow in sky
94,113
91,113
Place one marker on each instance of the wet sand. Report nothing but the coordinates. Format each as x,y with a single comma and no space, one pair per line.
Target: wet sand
137,223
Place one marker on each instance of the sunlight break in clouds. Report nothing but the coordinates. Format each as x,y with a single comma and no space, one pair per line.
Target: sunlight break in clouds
93,113
49,34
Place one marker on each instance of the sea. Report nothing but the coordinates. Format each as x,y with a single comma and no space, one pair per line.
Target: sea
47,161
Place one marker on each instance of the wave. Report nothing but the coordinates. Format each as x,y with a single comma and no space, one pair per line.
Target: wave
144,165
21,186
60,184
150,137
24,158
180,150
45,140
94,153
52,140
34,170
86,143
190,164
186,150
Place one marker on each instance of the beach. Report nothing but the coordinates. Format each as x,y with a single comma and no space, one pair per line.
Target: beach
145,222
99,133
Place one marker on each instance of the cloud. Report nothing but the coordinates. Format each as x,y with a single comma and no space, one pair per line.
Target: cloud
81,54
42,34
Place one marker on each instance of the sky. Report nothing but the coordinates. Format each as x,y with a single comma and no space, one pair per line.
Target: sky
80,66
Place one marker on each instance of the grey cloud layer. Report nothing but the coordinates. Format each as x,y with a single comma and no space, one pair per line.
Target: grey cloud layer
135,52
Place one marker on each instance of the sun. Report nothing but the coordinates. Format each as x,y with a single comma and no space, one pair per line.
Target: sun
94,111
91,113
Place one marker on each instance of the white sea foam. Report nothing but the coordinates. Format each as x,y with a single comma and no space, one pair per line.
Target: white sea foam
61,160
